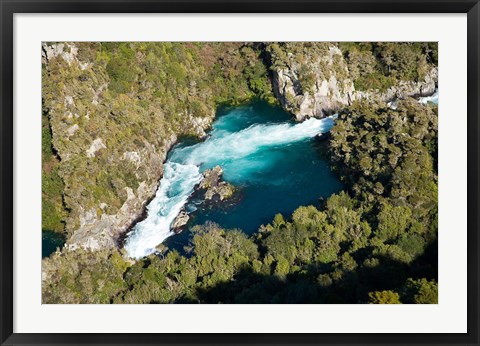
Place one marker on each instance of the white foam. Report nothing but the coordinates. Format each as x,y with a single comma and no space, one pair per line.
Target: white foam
176,186
433,98
230,146
183,171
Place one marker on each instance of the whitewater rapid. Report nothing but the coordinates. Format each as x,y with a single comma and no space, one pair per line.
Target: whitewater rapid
432,98
239,153
423,100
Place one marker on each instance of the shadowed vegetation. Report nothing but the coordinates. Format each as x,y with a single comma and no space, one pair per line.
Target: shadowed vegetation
376,242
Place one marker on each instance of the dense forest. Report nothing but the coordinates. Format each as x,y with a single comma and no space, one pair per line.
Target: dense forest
374,242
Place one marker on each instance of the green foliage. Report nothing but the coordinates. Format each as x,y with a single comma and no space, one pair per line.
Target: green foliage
370,243
136,97
121,67
384,297
392,221
374,80
256,74
282,267
383,64
53,211
421,291
84,277
371,66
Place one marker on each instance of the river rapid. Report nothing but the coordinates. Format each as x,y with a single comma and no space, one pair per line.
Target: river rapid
271,160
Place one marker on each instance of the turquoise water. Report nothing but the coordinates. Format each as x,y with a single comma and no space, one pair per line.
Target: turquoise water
275,164
277,179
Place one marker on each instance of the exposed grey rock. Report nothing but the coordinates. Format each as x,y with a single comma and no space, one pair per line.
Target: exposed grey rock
72,129
97,144
97,94
69,101
98,224
333,87
68,52
328,93
200,124
180,221
160,248
404,89
101,230
133,157
97,233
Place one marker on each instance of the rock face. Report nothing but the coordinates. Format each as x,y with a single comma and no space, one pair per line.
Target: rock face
110,149
213,186
96,146
213,189
113,110
404,89
330,88
315,82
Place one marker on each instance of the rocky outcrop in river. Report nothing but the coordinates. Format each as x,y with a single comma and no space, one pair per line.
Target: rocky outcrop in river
180,221
213,187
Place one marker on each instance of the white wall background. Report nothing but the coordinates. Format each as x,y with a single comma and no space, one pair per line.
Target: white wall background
448,316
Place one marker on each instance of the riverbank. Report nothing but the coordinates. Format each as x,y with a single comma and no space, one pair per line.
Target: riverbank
261,151
343,250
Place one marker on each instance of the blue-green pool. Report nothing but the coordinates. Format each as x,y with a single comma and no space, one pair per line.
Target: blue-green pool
275,163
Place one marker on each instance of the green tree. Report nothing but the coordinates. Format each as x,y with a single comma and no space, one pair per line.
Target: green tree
384,297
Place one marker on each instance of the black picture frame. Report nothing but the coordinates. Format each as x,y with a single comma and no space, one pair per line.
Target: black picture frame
9,7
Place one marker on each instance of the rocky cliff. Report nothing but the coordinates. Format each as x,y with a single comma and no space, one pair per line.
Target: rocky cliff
317,79
114,111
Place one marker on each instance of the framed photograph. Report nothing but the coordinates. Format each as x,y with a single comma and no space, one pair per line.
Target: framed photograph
246,172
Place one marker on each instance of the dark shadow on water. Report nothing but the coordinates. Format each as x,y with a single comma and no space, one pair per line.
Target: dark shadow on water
51,241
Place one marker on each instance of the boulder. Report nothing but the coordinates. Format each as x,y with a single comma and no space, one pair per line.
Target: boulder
214,187
180,221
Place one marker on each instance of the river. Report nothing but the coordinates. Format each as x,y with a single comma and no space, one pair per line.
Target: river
274,162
